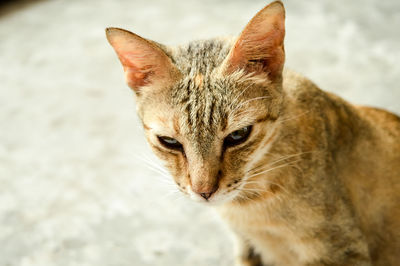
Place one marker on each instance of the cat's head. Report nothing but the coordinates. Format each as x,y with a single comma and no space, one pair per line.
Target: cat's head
209,108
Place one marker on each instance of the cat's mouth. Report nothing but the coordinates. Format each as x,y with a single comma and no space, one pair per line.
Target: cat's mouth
237,191
222,194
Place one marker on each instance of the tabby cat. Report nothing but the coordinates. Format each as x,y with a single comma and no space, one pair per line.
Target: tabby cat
300,175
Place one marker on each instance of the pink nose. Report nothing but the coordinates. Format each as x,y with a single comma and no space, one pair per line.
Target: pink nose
206,195
205,192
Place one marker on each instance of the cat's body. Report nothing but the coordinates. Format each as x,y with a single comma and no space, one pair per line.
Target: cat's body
340,195
300,175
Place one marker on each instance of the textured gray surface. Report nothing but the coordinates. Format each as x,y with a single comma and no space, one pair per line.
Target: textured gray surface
74,189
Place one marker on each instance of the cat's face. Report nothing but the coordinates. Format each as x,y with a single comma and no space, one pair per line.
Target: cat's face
210,136
209,108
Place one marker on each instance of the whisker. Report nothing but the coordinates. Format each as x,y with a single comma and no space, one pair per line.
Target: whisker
236,99
250,100
271,169
263,167
251,189
241,113
292,117
266,182
153,166
147,160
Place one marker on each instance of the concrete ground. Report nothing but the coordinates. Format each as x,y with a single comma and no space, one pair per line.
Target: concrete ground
75,186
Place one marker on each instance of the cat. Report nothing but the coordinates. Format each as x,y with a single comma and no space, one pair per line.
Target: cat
301,176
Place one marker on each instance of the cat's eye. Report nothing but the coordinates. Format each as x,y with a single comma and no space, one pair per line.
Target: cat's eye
237,137
170,143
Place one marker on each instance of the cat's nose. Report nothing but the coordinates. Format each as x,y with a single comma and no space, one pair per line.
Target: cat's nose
206,193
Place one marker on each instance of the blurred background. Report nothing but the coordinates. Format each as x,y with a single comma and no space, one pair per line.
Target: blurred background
78,184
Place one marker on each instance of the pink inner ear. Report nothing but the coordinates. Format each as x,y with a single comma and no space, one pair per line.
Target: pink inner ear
137,69
143,61
135,78
259,47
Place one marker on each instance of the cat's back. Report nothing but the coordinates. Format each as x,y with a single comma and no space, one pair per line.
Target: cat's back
374,124
386,124
374,183
365,143
366,139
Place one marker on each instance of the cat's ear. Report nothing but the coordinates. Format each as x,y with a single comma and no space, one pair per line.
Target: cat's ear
259,48
144,61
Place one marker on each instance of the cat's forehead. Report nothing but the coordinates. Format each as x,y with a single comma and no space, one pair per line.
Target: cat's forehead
201,56
208,106
201,101
200,96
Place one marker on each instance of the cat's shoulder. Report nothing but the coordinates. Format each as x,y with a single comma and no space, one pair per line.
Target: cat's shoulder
300,88
304,94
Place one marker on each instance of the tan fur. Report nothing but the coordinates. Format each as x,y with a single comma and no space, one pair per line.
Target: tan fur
318,180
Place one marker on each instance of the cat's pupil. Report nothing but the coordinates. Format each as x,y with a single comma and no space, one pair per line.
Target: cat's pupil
170,143
170,140
238,134
237,137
